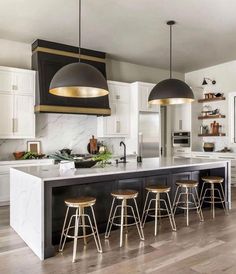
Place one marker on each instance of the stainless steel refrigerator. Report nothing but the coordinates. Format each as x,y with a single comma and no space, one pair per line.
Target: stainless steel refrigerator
149,134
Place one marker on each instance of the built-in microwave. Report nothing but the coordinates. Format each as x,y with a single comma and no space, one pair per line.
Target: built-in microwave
181,139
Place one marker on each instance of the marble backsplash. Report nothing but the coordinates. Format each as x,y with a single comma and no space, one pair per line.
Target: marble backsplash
57,131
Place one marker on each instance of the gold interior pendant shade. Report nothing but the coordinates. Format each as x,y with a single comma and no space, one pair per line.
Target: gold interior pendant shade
171,91
79,80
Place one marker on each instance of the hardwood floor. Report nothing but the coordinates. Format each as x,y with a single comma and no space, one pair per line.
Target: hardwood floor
207,247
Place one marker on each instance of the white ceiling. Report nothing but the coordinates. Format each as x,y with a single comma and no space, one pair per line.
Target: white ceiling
130,30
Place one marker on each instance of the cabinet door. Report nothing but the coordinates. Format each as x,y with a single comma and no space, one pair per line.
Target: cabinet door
6,81
182,117
122,119
24,117
24,82
119,92
6,114
144,91
4,187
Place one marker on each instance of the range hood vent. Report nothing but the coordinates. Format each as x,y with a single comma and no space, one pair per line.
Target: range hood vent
47,59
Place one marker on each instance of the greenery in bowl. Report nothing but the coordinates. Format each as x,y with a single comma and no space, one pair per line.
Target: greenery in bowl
103,158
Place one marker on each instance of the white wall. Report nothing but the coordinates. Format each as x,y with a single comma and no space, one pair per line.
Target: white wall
224,74
15,54
127,72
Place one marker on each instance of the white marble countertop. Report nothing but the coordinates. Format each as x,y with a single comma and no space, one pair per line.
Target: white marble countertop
52,172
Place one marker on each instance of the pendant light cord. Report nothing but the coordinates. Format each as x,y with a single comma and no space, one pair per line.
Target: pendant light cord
170,51
79,29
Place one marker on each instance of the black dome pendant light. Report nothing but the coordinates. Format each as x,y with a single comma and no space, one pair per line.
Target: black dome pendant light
171,91
79,80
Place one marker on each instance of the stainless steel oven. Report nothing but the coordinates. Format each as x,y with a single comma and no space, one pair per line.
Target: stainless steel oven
181,139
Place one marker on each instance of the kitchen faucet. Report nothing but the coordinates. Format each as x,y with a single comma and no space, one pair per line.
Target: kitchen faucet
123,159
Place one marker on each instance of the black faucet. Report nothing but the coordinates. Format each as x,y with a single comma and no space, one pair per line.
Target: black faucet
123,159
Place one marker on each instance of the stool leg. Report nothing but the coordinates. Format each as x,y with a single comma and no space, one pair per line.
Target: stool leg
67,230
122,222
213,200
63,228
156,212
223,194
144,208
112,218
95,233
200,198
197,203
171,215
109,224
174,202
146,213
125,215
139,225
83,225
76,233
187,202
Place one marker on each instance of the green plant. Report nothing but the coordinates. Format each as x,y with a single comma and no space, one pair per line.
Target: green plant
29,155
103,158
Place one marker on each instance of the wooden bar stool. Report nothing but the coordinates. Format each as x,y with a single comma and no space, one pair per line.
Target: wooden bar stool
158,190
213,181
122,220
80,204
187,189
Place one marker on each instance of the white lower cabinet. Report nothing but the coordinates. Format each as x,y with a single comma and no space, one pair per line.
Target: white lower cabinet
4,188
5,175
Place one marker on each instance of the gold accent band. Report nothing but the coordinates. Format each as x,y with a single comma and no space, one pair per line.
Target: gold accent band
171,101
69,54
79,92
79,110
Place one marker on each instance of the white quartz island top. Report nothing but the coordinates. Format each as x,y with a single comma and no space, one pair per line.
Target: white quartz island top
52,172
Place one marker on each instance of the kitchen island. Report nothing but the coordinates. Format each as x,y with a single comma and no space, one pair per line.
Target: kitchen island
37,193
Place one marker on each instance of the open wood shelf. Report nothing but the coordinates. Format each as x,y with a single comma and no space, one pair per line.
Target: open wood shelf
211,99
211,135
218,116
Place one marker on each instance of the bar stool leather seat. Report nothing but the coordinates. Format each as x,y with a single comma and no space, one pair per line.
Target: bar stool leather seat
124,194
82,201
213,179
158,189
187,183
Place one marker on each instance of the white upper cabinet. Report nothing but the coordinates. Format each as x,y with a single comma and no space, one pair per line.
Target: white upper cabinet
144,90
17,92
6,80
118,124
181,117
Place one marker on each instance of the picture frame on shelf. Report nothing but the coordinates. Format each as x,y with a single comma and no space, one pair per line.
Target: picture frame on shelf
34,146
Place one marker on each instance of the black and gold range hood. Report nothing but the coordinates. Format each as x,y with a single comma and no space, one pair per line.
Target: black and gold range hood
49,57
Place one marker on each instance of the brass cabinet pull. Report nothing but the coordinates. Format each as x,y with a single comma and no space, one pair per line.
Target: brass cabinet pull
117,126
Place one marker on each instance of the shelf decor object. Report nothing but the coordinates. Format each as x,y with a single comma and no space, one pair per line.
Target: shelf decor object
205,81
211,99
171,91
79,80
218,116
211,135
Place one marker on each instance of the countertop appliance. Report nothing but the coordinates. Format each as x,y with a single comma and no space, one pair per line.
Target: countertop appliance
181,139
149,134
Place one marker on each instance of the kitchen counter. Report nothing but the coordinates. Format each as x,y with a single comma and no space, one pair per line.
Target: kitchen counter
38,193
51,173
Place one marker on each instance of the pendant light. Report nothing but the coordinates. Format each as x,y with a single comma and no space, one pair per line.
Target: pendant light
79,80
171,91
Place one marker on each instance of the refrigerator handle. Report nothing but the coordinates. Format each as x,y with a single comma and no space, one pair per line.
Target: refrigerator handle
140,143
